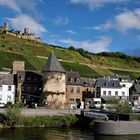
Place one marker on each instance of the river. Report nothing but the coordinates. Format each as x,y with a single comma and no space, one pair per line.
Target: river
57,134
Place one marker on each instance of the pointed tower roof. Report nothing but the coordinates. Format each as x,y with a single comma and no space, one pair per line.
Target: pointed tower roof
53,65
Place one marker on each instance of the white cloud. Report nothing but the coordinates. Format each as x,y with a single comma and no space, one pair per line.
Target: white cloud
10,4
71,32
17,5
101,27
24,21
93,4
90,45
128,20
61,20
125,21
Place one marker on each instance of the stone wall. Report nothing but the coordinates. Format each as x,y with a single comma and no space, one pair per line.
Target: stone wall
117,128
30,37
54,89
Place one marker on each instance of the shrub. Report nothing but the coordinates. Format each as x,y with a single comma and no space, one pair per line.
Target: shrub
13,115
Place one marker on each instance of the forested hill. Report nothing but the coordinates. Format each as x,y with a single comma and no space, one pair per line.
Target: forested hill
88,64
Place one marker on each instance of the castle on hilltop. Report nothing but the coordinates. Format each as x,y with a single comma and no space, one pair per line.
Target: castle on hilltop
25,34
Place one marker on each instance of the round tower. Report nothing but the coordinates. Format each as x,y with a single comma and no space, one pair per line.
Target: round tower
26,31
5,27
54,83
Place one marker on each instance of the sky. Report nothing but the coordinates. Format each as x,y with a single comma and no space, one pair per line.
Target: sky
94,25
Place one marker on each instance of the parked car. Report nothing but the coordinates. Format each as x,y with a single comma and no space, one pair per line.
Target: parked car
136,109
2,105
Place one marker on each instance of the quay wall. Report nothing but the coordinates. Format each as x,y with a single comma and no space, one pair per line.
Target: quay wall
117,127
45,112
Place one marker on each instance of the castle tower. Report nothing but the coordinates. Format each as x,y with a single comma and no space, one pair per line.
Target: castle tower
54,83
5,27
26,31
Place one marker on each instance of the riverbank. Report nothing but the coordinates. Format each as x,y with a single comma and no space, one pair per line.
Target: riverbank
37,121
45,112
18,117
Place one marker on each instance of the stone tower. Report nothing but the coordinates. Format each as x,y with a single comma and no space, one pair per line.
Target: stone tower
5,27
26,31
54,83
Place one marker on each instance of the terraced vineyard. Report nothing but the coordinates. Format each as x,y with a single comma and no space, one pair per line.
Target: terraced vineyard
35,56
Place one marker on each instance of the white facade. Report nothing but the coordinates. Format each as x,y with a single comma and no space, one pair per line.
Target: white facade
7,94
118,92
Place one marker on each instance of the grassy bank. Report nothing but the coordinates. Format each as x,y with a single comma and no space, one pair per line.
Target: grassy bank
135,117
13,118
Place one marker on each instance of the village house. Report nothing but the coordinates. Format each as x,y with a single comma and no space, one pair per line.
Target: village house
7,88
28,84
113,87
135,93
88,88
73,89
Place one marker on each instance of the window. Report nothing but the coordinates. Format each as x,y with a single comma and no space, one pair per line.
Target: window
71,80
35,89
78,89
109,93
71,100
116,93
28,89
123,85
9,88
28,78
123,93
77,80
8,98
0,88
71,89
104,93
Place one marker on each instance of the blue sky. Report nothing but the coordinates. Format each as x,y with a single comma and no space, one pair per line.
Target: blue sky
94,25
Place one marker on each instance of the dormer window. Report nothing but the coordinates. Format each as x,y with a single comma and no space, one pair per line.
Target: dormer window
71,80
106,84
77,80
114,85
85,83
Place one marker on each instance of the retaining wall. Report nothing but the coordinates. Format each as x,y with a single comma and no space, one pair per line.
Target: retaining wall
117,128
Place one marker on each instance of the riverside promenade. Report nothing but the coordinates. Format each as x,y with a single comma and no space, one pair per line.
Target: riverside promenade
44,111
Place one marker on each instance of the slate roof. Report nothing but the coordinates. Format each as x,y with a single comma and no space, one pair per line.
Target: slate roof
88,82
53,65
6,79
73,78
136,88
108,83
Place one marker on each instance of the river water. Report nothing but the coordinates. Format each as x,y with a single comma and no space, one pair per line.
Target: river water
57,134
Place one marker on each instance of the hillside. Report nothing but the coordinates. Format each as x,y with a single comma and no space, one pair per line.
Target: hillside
89,65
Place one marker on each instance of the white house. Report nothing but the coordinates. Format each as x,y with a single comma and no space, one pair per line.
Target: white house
113,87
7,88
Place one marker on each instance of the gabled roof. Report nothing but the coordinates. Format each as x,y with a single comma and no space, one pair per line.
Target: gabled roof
108,83
73,78
53,65
136,88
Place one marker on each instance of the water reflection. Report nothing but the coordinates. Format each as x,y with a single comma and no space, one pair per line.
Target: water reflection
57,134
